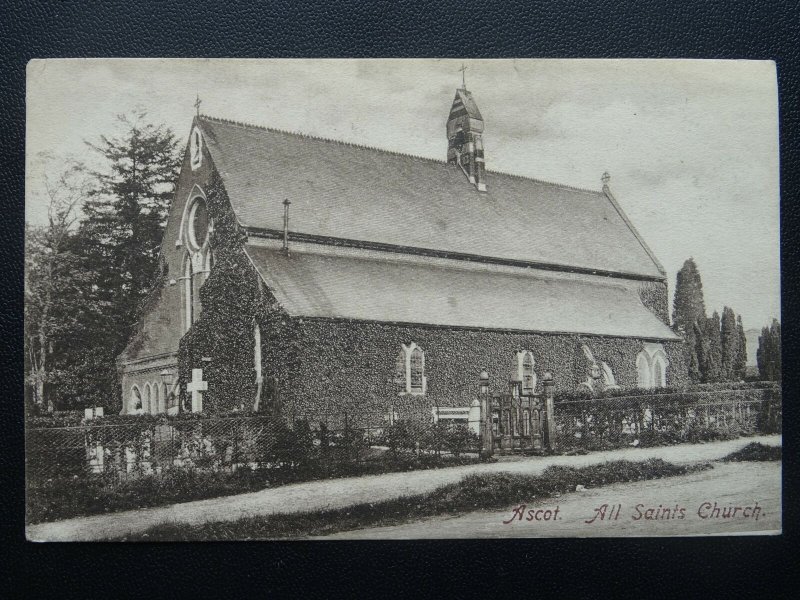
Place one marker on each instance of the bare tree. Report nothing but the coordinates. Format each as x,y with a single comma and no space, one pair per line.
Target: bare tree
47,273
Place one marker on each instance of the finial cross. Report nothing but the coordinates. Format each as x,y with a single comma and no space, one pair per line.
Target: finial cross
197,104
463,78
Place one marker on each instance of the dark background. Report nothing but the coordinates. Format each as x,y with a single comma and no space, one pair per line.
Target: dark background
499,28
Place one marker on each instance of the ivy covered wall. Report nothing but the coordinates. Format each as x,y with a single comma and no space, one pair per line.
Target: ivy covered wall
654,295
350,366
327,366
233,301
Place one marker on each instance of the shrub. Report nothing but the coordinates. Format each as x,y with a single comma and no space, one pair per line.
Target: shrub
755,451
460,438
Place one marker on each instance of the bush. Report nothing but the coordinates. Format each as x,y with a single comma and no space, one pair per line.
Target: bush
460,438
755,451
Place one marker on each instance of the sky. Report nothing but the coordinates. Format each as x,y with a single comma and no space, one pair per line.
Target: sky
691,146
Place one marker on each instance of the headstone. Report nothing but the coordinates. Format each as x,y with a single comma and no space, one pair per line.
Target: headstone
93,412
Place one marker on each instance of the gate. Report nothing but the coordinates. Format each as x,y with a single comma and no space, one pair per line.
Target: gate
518,422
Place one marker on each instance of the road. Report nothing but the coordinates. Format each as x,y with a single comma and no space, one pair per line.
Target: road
337,493
728,484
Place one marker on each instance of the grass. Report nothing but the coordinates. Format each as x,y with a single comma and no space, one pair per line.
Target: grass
495,491
65,497
756,452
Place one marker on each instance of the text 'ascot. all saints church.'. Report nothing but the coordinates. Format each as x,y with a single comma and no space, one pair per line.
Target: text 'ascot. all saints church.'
306,276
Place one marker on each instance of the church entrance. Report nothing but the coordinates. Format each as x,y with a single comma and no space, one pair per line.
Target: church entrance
516,422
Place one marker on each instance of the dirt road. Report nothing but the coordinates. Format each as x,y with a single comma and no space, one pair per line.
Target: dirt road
336,493
754,485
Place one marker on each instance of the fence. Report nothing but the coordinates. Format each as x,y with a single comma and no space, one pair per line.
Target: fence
687,416
149,446
340,443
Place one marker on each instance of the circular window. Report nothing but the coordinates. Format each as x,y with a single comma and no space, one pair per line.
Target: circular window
198,224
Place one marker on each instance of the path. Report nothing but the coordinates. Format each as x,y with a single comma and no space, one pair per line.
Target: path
728,484
336,493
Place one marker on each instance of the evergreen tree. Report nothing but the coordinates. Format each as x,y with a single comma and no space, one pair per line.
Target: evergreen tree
688,304
689,310
730,341
119,244
768,355
710,352
740,367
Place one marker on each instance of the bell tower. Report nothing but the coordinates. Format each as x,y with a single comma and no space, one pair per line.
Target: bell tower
465,137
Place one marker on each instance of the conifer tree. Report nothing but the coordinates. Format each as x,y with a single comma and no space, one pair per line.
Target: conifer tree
688,305
119,245
729,339
768,355
741,359
710,356
689,310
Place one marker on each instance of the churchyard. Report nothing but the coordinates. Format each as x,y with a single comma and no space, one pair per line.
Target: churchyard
78,466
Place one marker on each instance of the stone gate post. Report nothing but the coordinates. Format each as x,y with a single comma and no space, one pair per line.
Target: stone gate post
486,441
549,409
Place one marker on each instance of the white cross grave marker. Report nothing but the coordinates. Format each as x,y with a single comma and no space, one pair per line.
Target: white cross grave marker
197,386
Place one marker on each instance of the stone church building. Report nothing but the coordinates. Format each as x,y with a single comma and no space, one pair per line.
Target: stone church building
303,276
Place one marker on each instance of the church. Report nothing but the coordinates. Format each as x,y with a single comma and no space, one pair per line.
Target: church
305,276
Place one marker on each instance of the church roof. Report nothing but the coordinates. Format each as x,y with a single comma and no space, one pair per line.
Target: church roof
464,104
359,193
402,290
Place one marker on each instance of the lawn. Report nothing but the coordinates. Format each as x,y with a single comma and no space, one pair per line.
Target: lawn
473,492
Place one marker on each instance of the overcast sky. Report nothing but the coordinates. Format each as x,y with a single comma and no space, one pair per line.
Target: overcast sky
691,146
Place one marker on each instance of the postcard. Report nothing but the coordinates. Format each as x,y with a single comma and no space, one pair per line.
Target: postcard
401,299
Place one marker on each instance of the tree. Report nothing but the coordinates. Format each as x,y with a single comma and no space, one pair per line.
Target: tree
710,349
768,355
730,342
740,366
53,283
118,246
688,305
128,208
689,310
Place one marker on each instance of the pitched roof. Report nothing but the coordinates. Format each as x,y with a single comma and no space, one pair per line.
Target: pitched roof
359,193
316,284
463,103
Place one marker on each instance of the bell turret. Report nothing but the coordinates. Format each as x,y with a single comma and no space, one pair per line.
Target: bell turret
465,138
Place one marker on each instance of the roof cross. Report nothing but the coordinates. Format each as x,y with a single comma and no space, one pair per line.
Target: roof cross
197,104
463,79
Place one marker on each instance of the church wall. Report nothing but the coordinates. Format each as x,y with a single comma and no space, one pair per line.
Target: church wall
654,296
154,344
348,366
234,300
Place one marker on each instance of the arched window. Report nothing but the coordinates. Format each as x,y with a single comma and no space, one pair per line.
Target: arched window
417,365
146,407
411,369
188,293
659,370
257,351
643,371
525,372
651,366
135,404
163,398
157,408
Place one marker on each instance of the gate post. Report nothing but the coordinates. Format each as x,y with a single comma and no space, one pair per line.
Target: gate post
549,409
486,442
